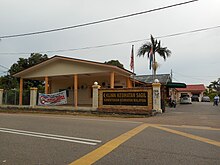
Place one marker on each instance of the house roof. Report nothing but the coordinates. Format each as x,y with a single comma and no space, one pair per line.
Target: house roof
192,88
60,58
163,78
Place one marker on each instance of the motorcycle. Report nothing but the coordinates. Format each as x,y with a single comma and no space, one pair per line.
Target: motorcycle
172,103
215,102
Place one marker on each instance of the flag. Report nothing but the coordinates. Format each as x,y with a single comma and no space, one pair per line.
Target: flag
151,57
132,58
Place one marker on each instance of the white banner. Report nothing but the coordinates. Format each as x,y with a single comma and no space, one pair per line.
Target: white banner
58,98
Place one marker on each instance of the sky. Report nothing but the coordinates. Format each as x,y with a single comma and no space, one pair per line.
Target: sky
195,57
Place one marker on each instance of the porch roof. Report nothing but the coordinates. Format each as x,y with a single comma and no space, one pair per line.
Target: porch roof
192,88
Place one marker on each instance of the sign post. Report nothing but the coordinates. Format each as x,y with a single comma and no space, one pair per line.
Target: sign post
1,96
157,96
95,95
33,97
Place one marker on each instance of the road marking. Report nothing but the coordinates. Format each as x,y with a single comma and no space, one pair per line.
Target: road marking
51,136
108,147
200,127
190,126
205,140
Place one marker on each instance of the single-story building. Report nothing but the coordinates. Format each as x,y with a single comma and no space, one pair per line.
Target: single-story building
191,90
76,76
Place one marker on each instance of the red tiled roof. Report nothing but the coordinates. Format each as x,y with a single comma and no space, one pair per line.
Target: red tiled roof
198,87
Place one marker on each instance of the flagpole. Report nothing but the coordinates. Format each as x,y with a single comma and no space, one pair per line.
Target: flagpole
133,65
133,78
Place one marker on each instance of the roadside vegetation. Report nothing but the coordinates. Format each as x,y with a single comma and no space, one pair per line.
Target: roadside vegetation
213,89
10,84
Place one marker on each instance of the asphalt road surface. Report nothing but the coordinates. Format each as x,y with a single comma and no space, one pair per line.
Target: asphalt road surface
188,134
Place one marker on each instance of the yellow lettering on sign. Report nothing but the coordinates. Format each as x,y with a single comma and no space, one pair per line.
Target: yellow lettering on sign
118,94
141,95
110,95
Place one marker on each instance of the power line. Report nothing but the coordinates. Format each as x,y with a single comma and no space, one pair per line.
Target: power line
96,22
3,73
175,79
4,67
117,43
193,77
188,32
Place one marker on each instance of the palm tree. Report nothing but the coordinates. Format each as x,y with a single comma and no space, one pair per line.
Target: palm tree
151,48
215,85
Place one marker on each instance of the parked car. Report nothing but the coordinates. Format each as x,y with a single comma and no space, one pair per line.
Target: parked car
185,100
205,99
195,98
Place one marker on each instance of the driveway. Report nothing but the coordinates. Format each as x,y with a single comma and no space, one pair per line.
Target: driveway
197,114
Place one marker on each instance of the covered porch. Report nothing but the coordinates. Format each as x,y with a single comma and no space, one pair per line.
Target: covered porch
76,77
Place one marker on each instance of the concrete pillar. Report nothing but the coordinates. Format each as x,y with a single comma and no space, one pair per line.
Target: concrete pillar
75,84
95,94
1,96
112,80
21,91
33,96
129,83
46,85
157,96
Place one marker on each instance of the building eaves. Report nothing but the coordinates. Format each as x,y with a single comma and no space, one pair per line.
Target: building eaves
58,57
163,78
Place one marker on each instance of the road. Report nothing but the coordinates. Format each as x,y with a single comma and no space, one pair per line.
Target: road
188,134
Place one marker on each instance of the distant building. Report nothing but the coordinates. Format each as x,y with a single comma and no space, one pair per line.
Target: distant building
191,90
149,79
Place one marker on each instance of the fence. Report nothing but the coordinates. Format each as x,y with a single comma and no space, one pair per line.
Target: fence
11,97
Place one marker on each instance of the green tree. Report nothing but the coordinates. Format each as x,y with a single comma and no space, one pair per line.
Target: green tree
115,63
10,82
151,49
215,85
24,63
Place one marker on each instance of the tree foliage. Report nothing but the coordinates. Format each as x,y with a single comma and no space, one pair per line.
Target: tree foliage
152,48
115,63
10,82
24,63
215,85
213,89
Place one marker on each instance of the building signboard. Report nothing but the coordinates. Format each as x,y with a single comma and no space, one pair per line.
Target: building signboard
132,98
126,100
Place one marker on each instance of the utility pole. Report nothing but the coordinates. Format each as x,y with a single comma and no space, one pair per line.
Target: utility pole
171,75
